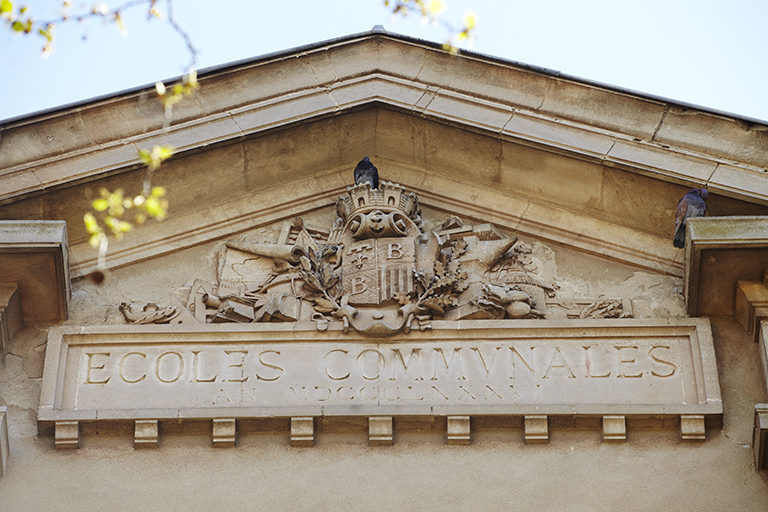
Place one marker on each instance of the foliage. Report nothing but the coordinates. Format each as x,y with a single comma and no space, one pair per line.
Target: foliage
319,268
115,213
431,11
437,288
176,93
19,19
118,213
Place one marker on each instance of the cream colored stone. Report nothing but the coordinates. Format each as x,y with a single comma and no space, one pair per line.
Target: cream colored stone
719,252
18,183
535,173
274,113
556,134
612,244
483,85
380,431
244,86
35,255
145,435
267,158
472,111
303,431
67,435
662,161
536,429
385,89
11,319
224,432
62,170
736,182
506,367
692,427
717,134
62,132
751,306
126,116
215,129
486,81
610,110
459,430
614,429
4,443
760,436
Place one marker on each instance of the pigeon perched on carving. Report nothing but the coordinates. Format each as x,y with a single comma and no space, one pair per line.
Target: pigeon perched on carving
691,205
366,172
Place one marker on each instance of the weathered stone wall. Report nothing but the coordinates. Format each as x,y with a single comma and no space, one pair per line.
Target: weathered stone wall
574,471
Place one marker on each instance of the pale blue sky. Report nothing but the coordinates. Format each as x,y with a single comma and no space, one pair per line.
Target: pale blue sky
708,53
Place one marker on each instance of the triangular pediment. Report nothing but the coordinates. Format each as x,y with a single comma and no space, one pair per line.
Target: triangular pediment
529,150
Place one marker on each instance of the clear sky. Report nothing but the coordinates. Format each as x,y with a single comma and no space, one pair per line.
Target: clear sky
708,53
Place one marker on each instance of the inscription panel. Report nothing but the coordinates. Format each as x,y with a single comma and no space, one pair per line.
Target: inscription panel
515,367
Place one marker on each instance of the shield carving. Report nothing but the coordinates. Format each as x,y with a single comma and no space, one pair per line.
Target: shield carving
376,269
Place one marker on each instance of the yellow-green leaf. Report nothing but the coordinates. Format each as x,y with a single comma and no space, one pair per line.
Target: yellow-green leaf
470,20
435,7
100,204
91,224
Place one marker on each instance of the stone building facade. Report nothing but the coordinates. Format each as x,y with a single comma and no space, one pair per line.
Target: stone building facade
501,322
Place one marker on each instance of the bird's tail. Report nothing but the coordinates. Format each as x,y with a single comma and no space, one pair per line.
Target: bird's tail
679,240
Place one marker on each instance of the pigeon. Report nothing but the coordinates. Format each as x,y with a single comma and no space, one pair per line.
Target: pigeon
691,205
366,172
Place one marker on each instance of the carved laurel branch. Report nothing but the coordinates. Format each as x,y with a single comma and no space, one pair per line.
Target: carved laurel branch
321,271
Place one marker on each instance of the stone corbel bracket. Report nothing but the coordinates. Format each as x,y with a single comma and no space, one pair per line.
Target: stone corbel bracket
752,306
34,259
4,445
11,318
760,438
720,252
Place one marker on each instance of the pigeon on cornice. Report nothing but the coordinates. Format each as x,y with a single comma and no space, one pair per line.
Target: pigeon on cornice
690,205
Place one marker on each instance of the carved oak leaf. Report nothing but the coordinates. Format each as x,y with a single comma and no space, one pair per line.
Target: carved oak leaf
402,298
461,285
445,282
439,269
438,303
459,248
453,266
424,277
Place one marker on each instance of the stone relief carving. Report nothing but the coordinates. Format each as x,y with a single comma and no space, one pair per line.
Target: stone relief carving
377,271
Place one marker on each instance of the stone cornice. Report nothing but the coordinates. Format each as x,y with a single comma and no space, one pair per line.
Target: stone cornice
720,252
273,204
639,134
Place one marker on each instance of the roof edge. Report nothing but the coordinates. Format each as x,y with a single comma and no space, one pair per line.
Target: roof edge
376,31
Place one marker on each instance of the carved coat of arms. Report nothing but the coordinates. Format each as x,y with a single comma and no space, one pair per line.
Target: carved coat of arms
375,270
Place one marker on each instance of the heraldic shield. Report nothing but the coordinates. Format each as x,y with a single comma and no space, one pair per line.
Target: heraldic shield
378,272
378,269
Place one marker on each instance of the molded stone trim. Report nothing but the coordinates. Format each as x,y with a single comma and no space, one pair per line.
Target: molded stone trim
720,252
34,252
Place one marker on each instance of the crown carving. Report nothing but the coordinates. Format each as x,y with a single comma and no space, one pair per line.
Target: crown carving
389,198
